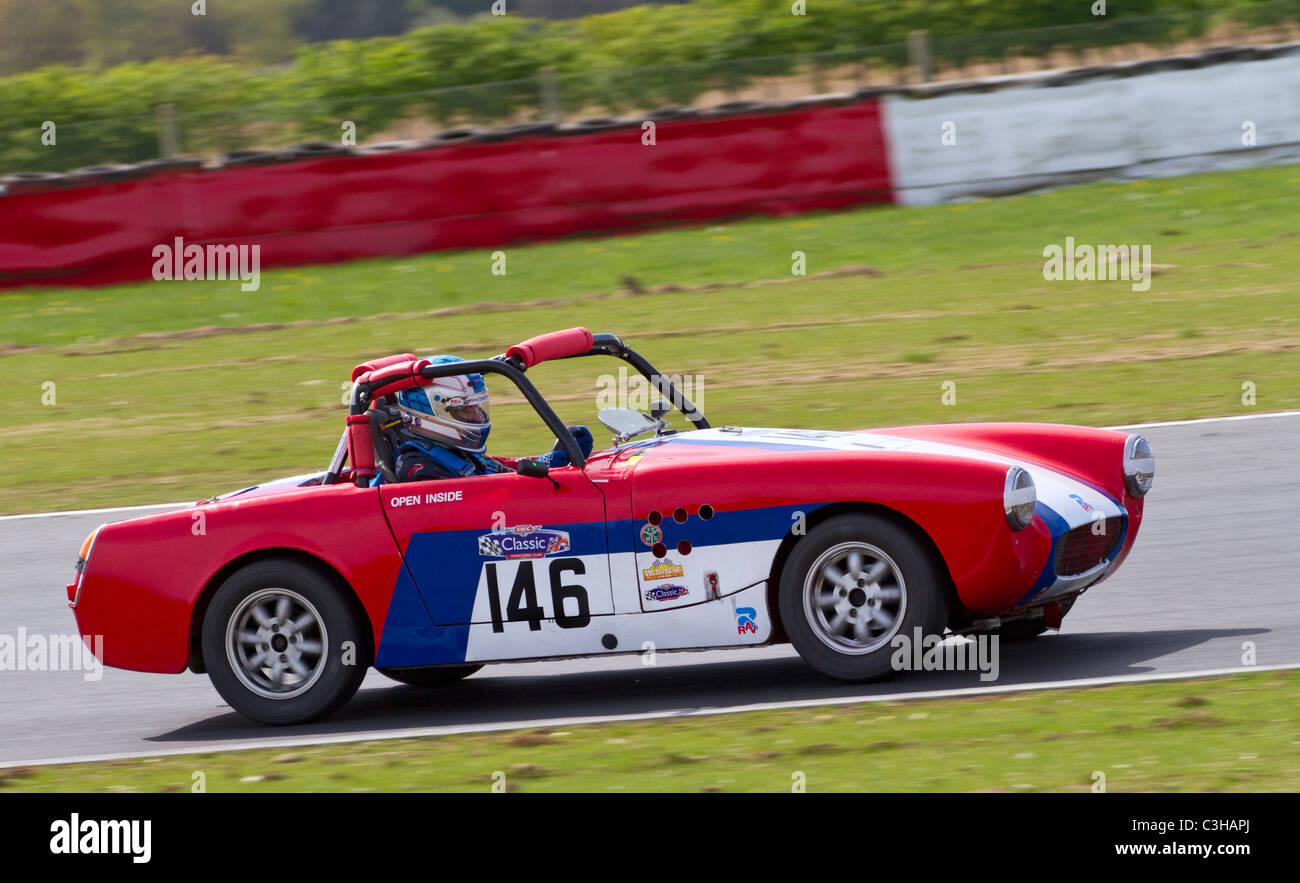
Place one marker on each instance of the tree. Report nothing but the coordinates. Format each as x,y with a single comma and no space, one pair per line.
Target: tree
40,32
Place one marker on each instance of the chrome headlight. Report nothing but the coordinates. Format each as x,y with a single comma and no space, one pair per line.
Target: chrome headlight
1019,498
1139,465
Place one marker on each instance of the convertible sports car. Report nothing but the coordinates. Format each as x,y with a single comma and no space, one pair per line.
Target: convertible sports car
836,542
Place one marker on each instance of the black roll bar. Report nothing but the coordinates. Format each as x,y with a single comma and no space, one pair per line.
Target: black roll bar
611,345
513,368
361,394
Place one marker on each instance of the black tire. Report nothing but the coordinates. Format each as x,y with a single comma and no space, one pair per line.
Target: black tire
921,591
436,676
255,591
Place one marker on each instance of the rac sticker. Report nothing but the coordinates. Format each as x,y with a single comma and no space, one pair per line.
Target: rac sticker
746,621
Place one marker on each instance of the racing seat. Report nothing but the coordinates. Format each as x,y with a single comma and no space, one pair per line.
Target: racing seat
383,445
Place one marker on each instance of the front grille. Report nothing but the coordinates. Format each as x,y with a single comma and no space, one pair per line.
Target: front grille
1083,548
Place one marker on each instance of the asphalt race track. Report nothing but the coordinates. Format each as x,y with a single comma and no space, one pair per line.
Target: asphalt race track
1214,567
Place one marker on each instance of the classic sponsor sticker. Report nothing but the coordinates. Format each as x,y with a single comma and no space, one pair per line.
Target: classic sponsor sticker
650,534
523,541
669,592
746,621
665,569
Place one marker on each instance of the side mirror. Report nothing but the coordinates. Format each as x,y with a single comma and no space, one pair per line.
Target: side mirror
535,469
660,409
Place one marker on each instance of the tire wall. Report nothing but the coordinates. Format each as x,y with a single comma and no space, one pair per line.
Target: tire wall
464,195
1039,131
1154,125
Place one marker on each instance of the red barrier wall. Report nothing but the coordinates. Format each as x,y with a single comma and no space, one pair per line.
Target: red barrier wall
471,195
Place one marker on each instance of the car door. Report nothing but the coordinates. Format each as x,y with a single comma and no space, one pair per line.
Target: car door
693,542
520,556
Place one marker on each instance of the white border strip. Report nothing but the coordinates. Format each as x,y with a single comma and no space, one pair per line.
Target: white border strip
427,732
97,511
1206,420
191,502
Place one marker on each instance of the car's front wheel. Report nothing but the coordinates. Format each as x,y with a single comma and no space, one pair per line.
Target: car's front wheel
282,645
850,587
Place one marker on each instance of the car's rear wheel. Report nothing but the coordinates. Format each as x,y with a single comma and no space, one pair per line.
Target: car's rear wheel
437,676
276,641
852,585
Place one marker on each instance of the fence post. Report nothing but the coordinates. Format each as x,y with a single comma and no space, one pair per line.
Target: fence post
549,93
818,75
168,142
918,52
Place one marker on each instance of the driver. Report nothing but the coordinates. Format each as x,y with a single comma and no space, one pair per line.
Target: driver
441,431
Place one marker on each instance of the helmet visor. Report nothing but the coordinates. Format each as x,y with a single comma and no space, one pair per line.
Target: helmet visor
475,415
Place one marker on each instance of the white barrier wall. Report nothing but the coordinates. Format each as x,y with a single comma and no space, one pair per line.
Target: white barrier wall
1154,125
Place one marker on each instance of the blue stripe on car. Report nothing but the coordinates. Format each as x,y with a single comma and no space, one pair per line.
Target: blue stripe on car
429,624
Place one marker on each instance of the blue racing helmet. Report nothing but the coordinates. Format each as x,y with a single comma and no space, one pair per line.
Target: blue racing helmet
452,411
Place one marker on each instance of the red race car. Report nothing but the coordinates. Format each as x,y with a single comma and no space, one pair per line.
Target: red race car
837,542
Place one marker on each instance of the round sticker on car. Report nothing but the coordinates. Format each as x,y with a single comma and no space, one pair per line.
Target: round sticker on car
651,534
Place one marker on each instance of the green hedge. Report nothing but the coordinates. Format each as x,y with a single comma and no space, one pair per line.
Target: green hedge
643,56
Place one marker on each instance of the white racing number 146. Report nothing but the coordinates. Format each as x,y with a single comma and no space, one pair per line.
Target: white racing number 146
522,604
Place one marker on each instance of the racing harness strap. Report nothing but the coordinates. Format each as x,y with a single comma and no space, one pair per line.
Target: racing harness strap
463,464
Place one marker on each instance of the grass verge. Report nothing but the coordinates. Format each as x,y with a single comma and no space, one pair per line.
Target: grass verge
1233,733
171,391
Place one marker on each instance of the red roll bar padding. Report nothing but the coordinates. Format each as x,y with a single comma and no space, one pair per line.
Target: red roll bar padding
395,377
380,363
400,384
555,345
361,448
